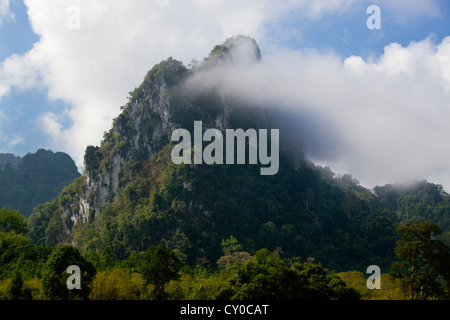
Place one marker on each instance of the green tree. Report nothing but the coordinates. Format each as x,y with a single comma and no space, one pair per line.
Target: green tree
11,247
159,266
423,260
16,289
232,250
55,274
101,259
265,276
231,245
12,221
117,284
316,283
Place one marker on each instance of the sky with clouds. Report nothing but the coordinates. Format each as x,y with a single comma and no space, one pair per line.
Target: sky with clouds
66,67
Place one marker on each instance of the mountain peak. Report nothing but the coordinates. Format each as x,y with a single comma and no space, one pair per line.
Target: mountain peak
243,48
237,50
170,97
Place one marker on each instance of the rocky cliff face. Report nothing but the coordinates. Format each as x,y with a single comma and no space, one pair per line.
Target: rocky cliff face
161,104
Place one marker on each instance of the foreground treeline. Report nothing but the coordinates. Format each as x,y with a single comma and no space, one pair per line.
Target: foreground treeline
30,271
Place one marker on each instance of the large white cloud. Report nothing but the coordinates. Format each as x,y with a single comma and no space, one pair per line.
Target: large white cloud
394,113
390,113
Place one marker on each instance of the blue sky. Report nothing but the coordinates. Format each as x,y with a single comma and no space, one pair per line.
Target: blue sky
347,34
60,88
16,34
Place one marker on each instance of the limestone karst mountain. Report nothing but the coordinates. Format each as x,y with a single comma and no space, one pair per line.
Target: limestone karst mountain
132,195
